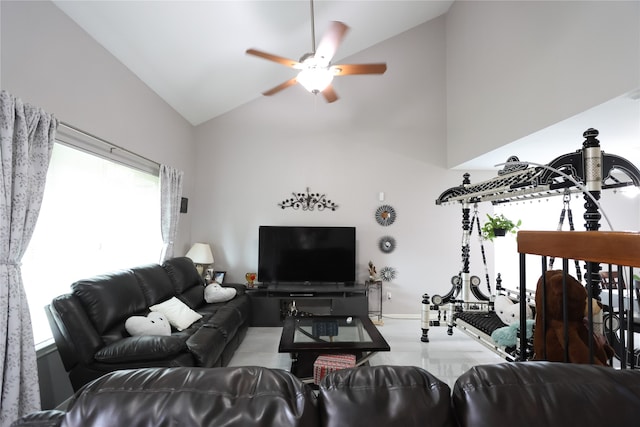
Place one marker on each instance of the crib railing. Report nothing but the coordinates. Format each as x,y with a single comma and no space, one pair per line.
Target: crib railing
605,251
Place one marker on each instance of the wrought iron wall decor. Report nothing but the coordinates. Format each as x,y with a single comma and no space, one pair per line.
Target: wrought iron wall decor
308,202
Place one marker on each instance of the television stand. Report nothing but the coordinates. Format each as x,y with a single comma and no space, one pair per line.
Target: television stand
270,305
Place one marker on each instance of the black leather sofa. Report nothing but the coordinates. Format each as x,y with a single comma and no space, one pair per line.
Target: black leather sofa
88,324
508,394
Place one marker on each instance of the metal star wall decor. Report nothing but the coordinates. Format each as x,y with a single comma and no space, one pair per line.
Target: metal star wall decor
308,202
387,244
388,273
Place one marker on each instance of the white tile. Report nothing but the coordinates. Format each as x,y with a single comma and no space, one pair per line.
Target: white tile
445,356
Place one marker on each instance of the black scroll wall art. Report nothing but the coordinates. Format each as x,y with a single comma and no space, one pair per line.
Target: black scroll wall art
308,202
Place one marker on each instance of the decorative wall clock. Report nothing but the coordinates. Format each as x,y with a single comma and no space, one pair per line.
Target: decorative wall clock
387,244
385,215
388,273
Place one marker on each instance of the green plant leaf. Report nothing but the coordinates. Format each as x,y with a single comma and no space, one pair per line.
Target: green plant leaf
498,221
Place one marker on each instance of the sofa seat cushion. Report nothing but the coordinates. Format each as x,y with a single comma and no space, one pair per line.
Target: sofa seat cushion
147,347
385,396
195,397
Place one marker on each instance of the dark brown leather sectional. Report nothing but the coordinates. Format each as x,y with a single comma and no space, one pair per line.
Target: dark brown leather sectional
519,394
88,324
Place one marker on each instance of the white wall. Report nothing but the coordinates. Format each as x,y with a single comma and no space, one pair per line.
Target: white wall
385,134
48,61
621,211
515,67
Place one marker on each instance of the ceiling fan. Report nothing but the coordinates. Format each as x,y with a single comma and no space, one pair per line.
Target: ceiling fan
316,71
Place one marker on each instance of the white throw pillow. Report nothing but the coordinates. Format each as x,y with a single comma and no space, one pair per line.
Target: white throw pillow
152,324
216,293
178,313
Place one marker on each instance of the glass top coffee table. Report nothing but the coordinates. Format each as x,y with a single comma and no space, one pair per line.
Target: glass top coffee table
307,337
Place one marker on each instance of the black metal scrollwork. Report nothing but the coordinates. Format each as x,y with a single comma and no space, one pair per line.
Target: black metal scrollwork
308,202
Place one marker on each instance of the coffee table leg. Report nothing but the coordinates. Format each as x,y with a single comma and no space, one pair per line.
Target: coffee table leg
365,360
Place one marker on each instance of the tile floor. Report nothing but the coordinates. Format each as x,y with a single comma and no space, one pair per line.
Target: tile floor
444,356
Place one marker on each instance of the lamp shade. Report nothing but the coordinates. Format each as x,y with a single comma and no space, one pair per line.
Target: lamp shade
200,253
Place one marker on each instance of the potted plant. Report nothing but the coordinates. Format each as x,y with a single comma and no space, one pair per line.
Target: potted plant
498,225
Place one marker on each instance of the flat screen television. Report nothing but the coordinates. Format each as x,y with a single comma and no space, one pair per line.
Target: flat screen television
311,255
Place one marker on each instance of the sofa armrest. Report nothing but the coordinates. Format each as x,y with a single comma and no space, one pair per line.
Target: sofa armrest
240,289
50,418
146,347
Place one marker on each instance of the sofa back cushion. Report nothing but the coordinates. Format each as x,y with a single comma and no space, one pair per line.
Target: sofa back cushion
403,396
110,299
550,394
195,397
154,282
187,283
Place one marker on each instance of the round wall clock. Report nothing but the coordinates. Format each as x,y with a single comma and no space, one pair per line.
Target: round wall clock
387,244
385,215
388,273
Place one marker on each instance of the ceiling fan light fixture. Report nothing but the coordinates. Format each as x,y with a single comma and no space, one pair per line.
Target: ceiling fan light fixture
315,70
315,79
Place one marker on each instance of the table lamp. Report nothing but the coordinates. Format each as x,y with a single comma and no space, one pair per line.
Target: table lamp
200,254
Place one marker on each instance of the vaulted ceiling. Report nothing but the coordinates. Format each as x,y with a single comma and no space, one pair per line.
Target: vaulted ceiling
192,54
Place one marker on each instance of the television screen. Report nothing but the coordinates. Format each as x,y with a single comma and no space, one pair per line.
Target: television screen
306,254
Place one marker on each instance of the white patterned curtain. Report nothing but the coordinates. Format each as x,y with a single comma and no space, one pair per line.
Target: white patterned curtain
27,135
170,197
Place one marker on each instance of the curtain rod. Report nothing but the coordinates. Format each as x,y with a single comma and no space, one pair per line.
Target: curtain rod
103,141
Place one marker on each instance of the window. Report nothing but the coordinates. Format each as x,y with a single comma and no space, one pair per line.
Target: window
97,216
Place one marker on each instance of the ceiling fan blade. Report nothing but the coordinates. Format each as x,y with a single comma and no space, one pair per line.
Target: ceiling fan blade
280,87
330,94
279,59
347,69
331,41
